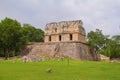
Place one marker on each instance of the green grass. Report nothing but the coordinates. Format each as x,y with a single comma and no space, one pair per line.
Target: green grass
76,70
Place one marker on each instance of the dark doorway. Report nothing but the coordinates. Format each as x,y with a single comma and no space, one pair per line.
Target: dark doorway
59,37
49,38
71,37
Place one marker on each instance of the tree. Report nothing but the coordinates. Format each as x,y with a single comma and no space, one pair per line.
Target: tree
10,35
113,49
116,38
13,36
97,40
115,46
103,44
31,34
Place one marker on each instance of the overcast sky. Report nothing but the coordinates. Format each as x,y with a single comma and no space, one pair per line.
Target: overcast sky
101,14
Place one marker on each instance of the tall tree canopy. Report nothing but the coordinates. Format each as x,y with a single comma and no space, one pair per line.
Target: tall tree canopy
97,39
13,36
32,34
10,35
113,48
103,44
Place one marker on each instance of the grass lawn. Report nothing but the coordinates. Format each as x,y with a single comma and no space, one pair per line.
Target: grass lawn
76,70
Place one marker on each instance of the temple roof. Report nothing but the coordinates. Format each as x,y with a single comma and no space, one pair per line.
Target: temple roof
65,27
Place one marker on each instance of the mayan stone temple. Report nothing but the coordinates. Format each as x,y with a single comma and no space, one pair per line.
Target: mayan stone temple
65,31
65,38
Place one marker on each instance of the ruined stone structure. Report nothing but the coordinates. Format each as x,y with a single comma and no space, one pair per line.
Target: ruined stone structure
66,38
65,31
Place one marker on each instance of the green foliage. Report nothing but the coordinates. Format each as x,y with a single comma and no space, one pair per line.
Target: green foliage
10,35
77,70
116,38
97,39
13,36
31,34
103,44
113,49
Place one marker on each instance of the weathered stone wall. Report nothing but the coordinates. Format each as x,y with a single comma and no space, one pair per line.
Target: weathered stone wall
65,29
64,26
74,50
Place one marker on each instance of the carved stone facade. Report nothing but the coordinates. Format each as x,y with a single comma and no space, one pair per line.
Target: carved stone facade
65,31
66,38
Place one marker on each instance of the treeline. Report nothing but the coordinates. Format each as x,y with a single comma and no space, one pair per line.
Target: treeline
13,36
103,44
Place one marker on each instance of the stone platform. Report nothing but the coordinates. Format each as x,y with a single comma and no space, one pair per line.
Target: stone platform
74,50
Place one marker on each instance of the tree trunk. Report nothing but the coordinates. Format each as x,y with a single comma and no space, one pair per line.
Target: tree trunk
6,52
